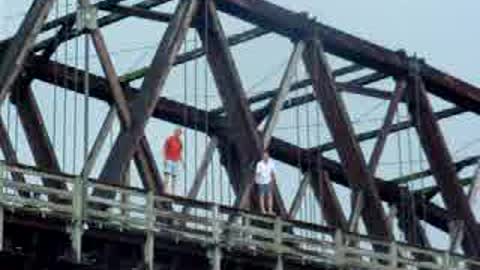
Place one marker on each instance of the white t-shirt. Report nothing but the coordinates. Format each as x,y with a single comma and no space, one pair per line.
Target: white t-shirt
263,172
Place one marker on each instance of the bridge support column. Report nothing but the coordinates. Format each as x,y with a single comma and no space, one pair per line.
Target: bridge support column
279,264
2,177
215,253
78,203
215,258
278,229
149,246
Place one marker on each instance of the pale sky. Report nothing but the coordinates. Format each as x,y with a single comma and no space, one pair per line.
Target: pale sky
442,32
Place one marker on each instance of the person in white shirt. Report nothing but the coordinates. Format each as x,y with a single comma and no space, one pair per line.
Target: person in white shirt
264,175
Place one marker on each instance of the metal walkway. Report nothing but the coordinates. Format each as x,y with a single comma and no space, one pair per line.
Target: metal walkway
216,227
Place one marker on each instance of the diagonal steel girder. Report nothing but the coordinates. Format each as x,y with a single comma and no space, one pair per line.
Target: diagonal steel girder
142,107
387,125
348,149
194,118
37,136
70,19
438,156
143,155
327,199
243,134
9,152
294,25
20,45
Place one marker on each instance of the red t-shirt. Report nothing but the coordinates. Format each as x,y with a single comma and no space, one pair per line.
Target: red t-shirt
173,148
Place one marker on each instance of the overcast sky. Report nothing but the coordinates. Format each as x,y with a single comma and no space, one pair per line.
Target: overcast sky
442,32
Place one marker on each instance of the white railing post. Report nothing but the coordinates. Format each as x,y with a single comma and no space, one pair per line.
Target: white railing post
215,253
393,255
446,260
2,213
278,230
78,206
149,246
339,248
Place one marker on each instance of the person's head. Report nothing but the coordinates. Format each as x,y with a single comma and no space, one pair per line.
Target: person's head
266,155
177,132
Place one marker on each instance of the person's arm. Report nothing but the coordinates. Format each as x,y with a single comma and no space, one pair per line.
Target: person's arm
257,170
274,176
165,147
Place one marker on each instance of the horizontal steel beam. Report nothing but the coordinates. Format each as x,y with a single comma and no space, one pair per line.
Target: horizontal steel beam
354,86
460,165
396,127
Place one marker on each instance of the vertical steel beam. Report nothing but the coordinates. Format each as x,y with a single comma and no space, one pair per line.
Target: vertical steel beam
143,106
149,245
277,103
2,223
440,161
348,148
243,133
387,125
36,132
21,44
2,213
78,206
408,220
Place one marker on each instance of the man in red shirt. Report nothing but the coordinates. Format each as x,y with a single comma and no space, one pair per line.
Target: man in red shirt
172,157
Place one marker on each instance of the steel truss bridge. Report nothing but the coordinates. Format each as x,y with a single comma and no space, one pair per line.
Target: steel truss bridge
73,221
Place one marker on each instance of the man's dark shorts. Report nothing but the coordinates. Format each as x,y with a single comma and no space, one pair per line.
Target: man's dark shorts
263,189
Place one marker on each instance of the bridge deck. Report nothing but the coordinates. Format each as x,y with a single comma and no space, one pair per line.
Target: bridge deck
216,233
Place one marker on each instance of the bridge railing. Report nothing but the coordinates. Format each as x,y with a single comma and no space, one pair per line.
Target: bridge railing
218,227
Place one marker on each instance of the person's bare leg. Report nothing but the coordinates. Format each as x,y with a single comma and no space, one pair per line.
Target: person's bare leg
261,202
270,203
173,185
166,181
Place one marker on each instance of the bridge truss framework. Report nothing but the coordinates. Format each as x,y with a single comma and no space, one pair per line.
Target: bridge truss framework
233,128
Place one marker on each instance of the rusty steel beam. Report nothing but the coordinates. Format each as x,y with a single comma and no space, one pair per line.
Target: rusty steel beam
195,119
441,163
459,166
201,171
20,45
277,102
36,132
143,106
246,140
348,149
143,156
409,221
294,25
232,40
354,86
9,153
55,42
70,19
396,127
387,125
138,12
299,195
327,199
